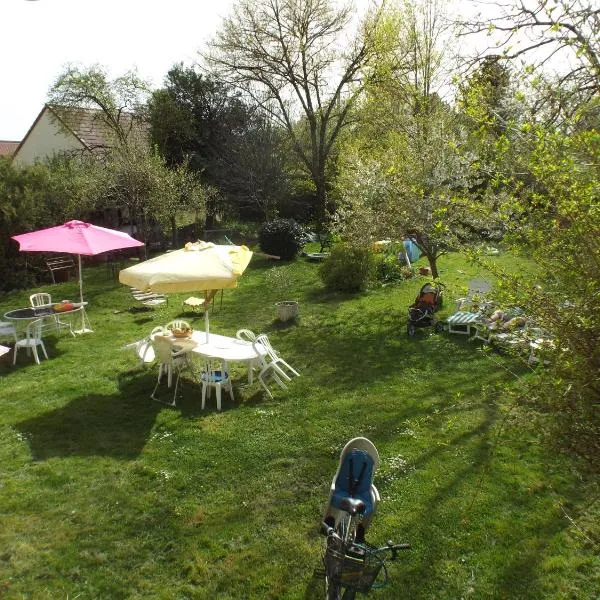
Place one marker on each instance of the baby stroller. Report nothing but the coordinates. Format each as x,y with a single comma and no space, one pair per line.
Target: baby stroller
421,313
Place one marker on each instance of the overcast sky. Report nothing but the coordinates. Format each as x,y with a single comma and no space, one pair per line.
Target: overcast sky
38,37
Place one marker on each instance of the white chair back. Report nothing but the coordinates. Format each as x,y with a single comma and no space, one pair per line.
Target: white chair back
178,324
158,330
163,349
39,299
246,335
32,339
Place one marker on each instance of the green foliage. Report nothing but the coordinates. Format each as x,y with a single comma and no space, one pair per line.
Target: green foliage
388,268
282,237
557,220
349,268
35,197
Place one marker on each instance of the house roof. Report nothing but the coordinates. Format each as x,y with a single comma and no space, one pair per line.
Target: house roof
7,148
87,125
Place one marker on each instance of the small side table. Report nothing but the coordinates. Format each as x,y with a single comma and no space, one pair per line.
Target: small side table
461,321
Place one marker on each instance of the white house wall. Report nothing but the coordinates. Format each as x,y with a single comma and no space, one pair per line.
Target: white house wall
45,139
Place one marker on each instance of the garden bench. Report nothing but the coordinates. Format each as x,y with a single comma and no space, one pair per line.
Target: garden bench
325,240
60,263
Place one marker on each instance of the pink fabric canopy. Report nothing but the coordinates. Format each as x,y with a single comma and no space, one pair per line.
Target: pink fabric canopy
75,237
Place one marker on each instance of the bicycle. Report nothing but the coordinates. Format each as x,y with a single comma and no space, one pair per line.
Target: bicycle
352,565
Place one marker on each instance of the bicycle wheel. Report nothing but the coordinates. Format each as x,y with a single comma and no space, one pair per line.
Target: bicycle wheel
333,590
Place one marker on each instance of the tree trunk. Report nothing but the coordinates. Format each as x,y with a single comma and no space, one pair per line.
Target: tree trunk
432,258
174,243
320,201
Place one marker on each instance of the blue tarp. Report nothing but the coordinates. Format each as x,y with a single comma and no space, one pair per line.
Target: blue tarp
411,249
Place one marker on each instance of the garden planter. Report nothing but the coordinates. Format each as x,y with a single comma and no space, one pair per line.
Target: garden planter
287,309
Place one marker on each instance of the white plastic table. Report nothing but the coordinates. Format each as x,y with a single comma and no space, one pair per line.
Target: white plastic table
46,311
225,348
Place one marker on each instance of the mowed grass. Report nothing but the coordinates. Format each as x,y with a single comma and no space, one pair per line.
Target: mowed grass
107,494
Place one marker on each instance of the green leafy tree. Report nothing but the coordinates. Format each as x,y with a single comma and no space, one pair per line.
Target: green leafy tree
287,55
405,159
200,120
119,102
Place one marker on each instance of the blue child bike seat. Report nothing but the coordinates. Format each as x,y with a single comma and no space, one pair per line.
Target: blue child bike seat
354,480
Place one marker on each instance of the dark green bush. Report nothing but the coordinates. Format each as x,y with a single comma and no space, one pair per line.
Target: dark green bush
348,268
282,237
389,268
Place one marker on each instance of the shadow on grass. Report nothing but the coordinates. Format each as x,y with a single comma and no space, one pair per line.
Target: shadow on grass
116,425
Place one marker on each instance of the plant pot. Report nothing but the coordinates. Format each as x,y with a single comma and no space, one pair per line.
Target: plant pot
287,309
424,270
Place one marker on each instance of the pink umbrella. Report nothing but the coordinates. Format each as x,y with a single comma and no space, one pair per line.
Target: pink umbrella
76,237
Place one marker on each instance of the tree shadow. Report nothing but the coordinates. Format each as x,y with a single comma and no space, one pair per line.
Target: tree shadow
116,425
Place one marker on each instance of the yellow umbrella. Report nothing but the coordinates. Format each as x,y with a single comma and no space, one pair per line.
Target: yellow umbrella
197,266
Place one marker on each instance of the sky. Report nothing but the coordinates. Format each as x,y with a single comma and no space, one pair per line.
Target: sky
39,37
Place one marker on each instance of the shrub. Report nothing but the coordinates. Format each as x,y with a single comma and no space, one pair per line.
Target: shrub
388,268
282,237
348,268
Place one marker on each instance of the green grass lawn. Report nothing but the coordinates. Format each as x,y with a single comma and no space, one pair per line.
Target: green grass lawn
107,494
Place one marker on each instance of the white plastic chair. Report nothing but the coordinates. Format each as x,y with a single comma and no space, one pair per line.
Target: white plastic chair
44,299
246,335
7,332
178,324
214,374
272,364
32,339
169,361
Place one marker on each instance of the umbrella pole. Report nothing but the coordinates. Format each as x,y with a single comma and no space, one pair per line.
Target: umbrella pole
85,324
206,323
80,278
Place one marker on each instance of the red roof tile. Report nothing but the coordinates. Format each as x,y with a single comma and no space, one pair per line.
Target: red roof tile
8,148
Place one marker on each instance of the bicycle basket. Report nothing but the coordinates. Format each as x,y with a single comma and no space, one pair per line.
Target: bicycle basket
351,565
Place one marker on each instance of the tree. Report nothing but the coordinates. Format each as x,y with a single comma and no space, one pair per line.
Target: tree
405,158
286,54
198,119
554,35
139,181
119,102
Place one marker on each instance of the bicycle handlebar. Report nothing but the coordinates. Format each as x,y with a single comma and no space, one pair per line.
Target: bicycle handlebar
327,530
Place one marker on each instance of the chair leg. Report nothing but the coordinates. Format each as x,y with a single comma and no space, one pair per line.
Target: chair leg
175,392
204,386
44,349
231,391
280,371
218,389
290,368
15,354
35,354
260,380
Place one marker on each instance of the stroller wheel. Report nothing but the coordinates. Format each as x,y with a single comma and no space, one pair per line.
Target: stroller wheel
439,327
410,329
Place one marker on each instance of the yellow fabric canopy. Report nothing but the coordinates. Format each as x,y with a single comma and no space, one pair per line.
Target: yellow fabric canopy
197,266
